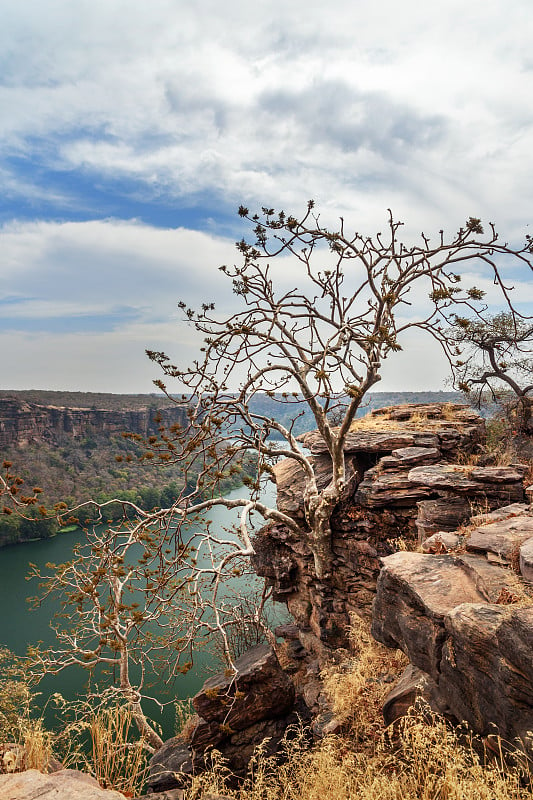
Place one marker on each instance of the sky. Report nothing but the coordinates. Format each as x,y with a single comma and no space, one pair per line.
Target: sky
132,131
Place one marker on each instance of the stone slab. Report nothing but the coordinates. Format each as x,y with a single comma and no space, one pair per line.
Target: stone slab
503,538
66,784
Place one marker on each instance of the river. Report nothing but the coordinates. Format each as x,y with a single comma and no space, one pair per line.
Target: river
21,625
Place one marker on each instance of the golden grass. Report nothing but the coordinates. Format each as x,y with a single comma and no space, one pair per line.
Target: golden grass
357,690
423,759
371,423
381,420
117,759
426,760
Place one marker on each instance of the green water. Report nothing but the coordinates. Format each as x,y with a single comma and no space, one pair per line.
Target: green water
21,625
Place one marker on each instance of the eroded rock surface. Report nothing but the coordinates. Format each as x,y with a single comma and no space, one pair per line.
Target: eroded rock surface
416,592
401,485
235,713
65,784
466,624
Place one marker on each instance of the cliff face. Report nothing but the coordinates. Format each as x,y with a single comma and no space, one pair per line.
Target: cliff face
457,610
404,484
22,422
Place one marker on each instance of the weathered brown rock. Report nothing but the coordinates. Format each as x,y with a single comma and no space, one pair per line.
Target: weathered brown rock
415,592
199,733
65,784
361,441
410,457
259,690
500,513
278,559
501,538
445,513
487,669
381,489
412,685
379,505
443,476
497,474
171,766
454,413
459,479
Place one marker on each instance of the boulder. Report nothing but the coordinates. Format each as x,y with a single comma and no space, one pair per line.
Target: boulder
258,690
498,474
487,669
415,592
502,538
171,766
413,684
65,784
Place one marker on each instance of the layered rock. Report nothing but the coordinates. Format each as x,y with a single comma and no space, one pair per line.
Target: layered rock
466,624
22,422
400,483
234,713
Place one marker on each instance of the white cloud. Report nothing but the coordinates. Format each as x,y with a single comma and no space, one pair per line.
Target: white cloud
429,104
365,105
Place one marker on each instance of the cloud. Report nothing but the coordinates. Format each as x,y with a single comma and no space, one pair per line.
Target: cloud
359,103
122,118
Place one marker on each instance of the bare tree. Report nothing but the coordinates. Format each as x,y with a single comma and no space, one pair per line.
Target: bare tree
137,600
496,354
313,330
321,343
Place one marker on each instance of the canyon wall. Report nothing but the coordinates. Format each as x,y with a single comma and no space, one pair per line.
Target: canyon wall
22,422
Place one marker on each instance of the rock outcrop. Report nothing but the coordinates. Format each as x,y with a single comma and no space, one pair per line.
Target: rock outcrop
463,615
402,484
62,785
234,713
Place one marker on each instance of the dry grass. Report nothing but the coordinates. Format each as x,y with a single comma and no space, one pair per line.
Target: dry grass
117,757
425,759
382,424
356,692
381,420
